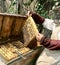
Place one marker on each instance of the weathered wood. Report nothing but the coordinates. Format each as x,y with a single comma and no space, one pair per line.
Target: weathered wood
1,19
18,24
15,15
13,51
6,27
11,24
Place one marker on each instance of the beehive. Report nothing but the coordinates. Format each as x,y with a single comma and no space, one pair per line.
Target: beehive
11,47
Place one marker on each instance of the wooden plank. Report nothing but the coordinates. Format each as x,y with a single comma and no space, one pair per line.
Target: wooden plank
15,15
17,26
6,27
1,19
6,20
22,25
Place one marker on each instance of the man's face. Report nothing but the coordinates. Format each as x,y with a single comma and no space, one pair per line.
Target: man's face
57,18
57,15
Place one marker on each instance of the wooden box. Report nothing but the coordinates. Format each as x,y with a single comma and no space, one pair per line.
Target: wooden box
17,38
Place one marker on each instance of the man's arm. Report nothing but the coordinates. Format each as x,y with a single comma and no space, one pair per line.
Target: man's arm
37,18
47,23
48,43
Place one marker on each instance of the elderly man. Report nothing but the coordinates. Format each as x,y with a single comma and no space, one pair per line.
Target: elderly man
51,53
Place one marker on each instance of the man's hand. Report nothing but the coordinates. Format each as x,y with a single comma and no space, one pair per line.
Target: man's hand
29,13
39,37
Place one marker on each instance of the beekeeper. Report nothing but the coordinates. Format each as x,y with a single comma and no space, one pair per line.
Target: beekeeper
51,53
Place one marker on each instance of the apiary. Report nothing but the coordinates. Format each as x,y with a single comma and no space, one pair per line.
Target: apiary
17,38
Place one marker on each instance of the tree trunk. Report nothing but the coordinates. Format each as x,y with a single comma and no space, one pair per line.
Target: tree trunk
2,6
32,5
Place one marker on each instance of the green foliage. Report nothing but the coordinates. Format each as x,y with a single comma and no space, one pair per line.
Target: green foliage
28,3
40,10
13,7
44,6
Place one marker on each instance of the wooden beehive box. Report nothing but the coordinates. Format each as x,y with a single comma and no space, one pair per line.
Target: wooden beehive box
17,33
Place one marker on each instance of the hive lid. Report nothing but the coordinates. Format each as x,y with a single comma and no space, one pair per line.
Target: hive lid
11,25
